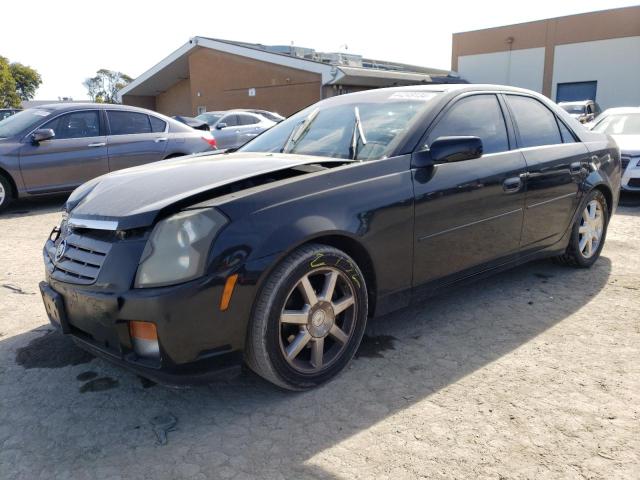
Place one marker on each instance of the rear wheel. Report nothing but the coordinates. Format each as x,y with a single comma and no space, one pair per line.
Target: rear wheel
588,233
6,193
309,318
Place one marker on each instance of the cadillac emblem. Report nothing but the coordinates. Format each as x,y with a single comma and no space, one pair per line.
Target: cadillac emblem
60,251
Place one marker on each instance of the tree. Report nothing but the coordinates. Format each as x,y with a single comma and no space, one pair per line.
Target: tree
27,80
103,88
17,82
94,88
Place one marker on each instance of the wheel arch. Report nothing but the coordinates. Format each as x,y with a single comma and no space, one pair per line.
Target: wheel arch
342,241
12,183
608,195
359,253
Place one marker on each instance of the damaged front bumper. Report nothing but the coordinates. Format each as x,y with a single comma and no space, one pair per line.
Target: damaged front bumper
197,342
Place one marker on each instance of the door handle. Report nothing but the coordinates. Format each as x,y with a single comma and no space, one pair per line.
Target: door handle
98,144
512,185
576,168
161,139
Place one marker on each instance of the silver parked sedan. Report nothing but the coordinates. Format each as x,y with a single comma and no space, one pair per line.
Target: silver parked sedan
623,124
234,128
55,148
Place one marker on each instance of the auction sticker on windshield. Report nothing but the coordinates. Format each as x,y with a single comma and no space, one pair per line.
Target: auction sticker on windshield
413,95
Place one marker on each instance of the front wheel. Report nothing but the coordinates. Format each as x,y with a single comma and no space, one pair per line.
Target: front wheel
309,318
588,232
6,193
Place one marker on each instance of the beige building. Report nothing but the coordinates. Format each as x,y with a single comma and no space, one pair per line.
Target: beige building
208,74
587,56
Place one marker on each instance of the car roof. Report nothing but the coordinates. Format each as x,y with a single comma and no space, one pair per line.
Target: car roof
233,110
577,102
60,107
447,89
450,87
620,110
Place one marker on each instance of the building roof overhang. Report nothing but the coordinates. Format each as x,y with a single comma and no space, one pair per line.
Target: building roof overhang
175,67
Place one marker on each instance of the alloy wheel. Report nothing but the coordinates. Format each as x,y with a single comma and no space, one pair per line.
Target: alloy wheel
317,320
3,194
591,229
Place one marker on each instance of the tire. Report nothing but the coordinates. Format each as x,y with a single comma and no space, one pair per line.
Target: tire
312,341
574,255
6,193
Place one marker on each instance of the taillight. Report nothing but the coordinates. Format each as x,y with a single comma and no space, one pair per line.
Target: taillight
211,141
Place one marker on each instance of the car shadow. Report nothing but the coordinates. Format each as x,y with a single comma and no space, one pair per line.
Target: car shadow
66,411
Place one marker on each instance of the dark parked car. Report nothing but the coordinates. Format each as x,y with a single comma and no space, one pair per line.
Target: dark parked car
55,148
234,128
192,122
584,111
356,206
7,112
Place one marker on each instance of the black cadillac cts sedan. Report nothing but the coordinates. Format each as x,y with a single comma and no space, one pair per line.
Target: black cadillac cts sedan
276,255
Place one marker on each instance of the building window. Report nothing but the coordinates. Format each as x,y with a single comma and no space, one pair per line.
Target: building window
201,109
576,91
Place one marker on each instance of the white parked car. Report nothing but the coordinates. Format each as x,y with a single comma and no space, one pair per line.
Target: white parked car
623,124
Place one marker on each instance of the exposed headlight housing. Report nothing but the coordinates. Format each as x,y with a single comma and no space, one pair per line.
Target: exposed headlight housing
178,247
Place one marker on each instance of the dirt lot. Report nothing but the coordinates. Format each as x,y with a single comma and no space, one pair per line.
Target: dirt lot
534,373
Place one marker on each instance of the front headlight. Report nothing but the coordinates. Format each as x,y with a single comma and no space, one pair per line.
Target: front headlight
178,247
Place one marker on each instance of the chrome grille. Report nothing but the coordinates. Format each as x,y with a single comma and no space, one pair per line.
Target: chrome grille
80,260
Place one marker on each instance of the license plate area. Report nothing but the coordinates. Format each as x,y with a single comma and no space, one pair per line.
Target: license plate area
54,306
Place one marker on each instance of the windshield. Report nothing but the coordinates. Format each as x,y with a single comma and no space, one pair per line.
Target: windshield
6,113
621,124
209,118
575,109
21,122
362,127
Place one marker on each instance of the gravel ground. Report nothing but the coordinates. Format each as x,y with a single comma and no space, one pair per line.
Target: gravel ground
533,373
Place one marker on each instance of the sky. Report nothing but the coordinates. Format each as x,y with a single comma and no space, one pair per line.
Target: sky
67,41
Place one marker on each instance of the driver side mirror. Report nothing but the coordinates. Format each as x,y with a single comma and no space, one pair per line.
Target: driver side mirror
221,125
448,149
42,134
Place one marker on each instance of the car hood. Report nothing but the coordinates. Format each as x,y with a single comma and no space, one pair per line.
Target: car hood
629,144
134,197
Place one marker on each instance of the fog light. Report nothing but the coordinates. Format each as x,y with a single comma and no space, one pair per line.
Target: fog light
144,338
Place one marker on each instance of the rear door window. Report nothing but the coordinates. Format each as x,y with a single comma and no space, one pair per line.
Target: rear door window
477,116
75,125
230,120
244,119
536,123
128,123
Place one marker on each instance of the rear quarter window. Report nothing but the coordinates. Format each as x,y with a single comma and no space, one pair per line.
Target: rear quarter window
567,136
157,125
